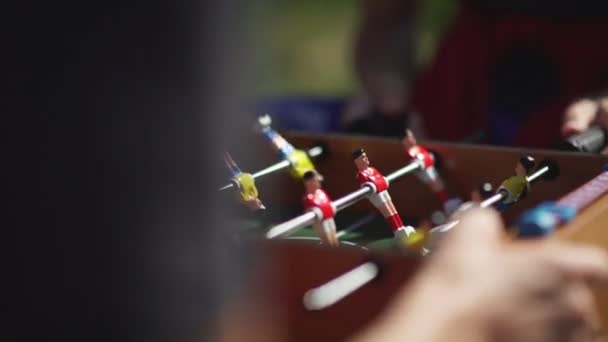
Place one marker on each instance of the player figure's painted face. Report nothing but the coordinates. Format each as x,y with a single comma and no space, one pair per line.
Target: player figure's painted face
313,183
520,170
362,162
408,140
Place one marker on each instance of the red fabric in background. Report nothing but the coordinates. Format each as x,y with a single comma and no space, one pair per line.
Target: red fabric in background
452,93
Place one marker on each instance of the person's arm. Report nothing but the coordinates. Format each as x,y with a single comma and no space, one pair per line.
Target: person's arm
479,287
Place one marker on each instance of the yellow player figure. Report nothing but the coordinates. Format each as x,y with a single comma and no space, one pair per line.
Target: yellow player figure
248,193
516,187
299,160
416,241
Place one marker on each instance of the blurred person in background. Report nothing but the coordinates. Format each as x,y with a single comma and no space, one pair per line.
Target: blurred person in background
505,72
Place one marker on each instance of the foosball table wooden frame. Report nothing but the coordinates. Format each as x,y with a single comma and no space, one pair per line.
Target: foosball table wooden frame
293,268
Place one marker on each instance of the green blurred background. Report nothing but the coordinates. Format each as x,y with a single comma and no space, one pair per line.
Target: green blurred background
305,46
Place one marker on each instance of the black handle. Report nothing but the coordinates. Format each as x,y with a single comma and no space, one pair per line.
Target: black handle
592,140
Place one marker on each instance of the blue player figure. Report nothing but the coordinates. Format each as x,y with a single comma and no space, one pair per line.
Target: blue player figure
300,162
544,219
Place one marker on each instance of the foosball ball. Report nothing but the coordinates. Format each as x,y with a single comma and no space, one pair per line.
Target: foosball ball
345,221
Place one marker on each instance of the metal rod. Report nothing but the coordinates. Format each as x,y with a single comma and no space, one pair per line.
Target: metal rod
292,225
314,152
494,199
533,177
353,197
331,292
485,204
490,201
313,238
272,168
226,187
307,219
283,164
413,166
444,227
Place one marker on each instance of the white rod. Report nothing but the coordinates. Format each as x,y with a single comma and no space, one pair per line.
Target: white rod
333,291
538,173
292,225
413,166
272,168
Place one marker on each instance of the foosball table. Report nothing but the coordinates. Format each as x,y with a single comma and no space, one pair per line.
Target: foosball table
358,278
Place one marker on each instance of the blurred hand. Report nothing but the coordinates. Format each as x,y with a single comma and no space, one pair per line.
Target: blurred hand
479,287
585,113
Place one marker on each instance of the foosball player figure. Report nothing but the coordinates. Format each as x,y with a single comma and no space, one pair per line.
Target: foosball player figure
299,160
244,182
427,174
317,201
380,198
516,187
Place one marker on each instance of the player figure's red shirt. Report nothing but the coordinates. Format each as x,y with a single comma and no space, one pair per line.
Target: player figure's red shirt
419,152
319,199
372,175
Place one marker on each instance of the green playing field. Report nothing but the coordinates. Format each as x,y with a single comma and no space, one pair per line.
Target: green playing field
366,230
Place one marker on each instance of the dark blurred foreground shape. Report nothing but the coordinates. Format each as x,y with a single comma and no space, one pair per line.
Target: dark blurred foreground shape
505,70
120,110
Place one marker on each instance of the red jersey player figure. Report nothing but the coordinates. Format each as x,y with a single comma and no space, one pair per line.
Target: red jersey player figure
428,174
316,200
369,176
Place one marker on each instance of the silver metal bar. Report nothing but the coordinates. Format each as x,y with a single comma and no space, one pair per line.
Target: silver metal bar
315,151
309,218
494,199
352,198
316,239
226,187
489,202
413,166
485,204
444,227
283,164
538,173
333,291
292,225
